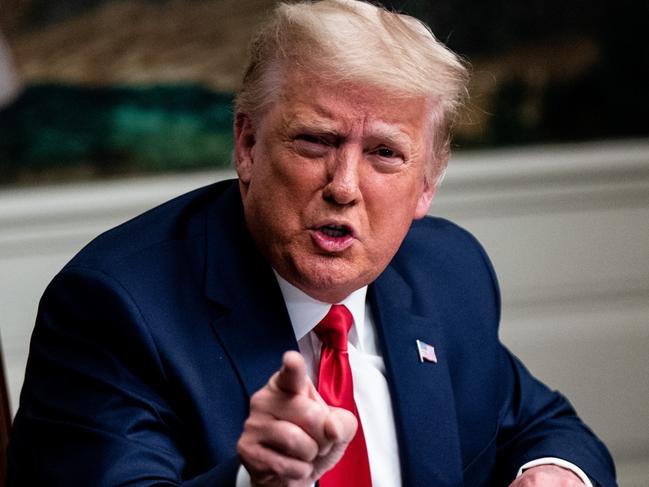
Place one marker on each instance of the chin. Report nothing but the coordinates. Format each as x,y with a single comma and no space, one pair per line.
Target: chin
329,279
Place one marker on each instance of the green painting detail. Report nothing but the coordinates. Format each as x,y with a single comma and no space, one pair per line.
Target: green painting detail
115,129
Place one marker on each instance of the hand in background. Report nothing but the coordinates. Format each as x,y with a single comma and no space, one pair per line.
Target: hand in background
547,476
292,437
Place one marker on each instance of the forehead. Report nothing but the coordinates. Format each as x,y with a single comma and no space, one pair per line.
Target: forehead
348,106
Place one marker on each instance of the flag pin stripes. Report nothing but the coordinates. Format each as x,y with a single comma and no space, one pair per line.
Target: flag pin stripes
426,352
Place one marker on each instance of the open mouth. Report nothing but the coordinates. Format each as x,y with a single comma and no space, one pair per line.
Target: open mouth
335,231
333,237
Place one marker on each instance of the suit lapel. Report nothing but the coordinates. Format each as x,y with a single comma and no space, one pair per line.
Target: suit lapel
253,327
421,392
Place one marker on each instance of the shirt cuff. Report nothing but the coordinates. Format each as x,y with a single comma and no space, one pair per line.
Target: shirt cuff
243,477
554,461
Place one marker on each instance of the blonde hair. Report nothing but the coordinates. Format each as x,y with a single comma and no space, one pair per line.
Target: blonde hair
354,41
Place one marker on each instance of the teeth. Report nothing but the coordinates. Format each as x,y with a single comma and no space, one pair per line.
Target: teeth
335,232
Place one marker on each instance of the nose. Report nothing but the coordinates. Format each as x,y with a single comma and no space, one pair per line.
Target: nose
343,178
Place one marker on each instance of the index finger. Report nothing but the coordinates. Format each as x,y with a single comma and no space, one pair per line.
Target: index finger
292,377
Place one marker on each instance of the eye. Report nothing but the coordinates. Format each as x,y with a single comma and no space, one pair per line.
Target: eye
386,155
311,139
385,152
309,145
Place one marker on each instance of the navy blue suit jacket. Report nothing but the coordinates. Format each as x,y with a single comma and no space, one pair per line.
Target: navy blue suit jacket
149,343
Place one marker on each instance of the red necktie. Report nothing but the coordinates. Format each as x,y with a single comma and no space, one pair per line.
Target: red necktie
336,388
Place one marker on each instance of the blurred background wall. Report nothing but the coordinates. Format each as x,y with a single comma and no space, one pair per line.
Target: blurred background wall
114,87
110,107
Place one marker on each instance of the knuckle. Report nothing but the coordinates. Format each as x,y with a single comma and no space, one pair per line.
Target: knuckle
257,396
258,400
312,416
281,467
258,426
249,425
244,448
304,470
291,469
292,438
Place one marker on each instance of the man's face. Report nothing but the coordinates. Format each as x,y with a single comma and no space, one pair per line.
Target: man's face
331,178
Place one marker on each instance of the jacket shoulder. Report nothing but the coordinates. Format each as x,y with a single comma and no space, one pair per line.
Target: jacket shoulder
181,218
437,240
445,265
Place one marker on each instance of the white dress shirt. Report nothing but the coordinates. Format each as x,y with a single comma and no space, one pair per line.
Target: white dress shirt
371,392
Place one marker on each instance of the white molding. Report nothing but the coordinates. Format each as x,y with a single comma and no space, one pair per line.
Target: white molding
531,180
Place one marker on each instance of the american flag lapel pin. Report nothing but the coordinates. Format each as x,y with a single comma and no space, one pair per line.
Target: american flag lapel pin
426,352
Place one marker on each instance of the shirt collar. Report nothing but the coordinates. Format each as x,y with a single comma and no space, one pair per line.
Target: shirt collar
305,312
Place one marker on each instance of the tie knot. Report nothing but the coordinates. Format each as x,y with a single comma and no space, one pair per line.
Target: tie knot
333,328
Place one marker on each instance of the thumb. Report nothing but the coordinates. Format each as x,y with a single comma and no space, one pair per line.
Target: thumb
340,428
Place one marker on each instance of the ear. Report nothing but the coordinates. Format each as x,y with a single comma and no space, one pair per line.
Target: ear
244,142
425,199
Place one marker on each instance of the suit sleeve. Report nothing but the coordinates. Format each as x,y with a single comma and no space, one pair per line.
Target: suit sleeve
96,407
536,422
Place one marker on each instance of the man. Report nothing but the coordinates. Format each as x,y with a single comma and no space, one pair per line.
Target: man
156,352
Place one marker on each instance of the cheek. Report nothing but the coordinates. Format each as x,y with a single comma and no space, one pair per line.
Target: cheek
297,181
282,193
273,180
300,172
392,199
390,211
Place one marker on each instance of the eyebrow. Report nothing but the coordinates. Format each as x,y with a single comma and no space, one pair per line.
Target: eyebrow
388,132
318,126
